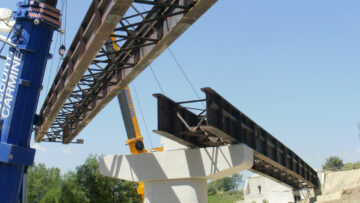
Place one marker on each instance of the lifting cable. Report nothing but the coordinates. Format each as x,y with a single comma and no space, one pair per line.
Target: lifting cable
156,79
137,96
52,65
185,75
150,66
176,61
142,115
61,41
64,5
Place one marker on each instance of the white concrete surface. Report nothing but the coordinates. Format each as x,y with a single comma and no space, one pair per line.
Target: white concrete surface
207,163
271,191
178,175
169,144
187,190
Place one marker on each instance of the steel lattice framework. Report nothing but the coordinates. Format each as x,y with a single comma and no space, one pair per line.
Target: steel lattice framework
92,73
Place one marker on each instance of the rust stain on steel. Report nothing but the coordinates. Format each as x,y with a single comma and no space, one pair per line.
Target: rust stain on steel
128,75
100,20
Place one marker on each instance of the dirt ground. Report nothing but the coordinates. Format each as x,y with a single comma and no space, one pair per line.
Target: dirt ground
340,187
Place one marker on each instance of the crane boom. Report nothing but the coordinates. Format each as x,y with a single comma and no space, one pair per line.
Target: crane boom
135,140
128,113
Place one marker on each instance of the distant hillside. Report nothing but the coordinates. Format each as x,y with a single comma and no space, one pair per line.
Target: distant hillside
351,166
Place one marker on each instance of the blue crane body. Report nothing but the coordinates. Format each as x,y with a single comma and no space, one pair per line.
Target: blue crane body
20,86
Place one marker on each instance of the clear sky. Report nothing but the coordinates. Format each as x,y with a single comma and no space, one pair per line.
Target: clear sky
291,66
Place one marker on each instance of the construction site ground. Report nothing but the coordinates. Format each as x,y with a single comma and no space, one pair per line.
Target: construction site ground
339,187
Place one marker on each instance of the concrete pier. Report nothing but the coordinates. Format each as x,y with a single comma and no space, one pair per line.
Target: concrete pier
178,174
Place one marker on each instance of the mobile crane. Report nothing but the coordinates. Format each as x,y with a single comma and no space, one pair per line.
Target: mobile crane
135,139
20,86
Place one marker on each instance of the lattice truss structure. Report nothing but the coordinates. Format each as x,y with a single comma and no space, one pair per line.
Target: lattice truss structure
143,25
279,174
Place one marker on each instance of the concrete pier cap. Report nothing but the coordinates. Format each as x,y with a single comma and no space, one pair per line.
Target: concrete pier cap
178,174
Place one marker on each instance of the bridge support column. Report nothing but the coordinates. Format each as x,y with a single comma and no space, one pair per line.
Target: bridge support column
178,175
183,190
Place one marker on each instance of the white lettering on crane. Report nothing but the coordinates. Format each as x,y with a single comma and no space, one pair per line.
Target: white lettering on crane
8,83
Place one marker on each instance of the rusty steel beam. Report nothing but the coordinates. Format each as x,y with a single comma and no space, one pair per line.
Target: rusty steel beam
146,56
221,124
271,157
142,36
100,20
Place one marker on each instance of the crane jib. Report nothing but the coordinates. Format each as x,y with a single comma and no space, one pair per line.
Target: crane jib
130,103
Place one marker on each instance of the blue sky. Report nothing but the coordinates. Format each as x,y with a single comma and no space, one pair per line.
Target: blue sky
291,66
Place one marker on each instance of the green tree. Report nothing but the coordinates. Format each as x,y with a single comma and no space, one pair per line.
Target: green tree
53,195
43,184
224,184
333,163
98,188
84,185
230,183
212,189
235,181
70,189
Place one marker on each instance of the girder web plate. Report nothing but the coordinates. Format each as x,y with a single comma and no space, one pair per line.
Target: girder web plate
91,74
220,124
